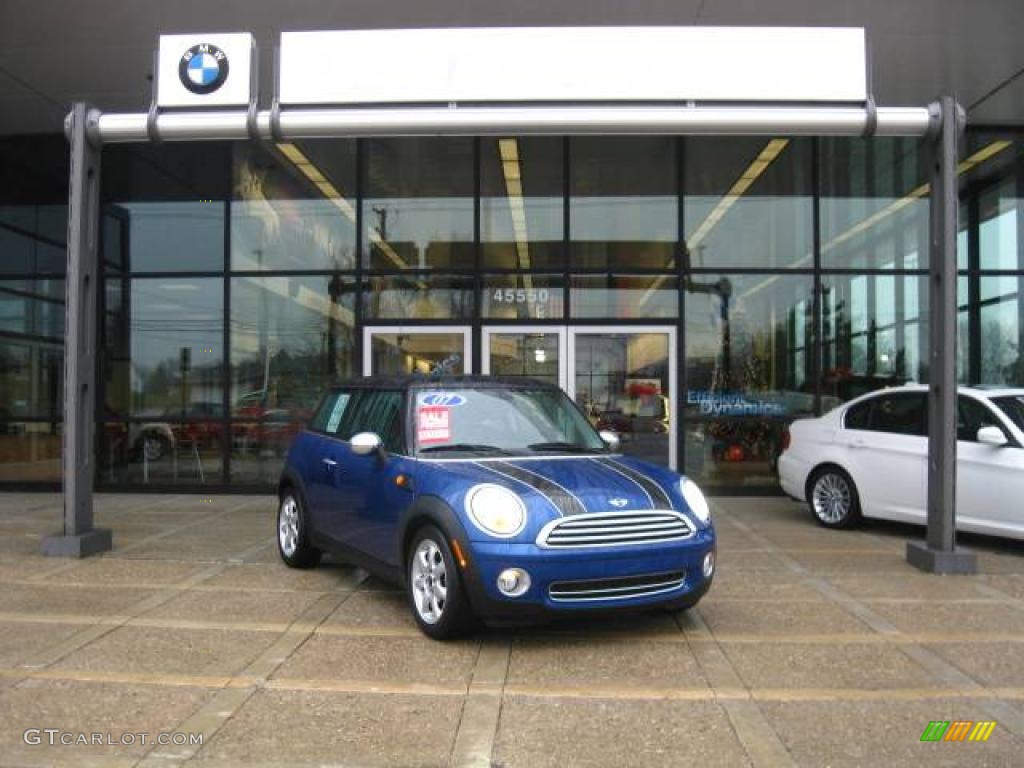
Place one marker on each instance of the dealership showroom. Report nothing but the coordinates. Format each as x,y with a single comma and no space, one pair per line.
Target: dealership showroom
712,223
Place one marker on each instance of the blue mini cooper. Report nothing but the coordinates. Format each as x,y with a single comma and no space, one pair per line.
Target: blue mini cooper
491,498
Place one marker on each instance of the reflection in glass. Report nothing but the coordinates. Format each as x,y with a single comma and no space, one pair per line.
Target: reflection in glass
291,337
531,355
749,345
874,333
999,214
522,297
294,206
31,348
623,208
157,451
165,348
417,352
734,452
620,296
33,238
521,203
30,451
748,202
418,297
1002,330
622,384
418,204
874,203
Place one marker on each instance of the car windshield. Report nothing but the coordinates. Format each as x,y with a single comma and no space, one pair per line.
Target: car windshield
1012,406
496,421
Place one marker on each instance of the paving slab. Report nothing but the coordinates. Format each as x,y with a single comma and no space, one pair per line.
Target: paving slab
234,606
20,640
414,661
68,599
276,575
993,664
860,733
168,651
738,618
317,728
553,733
109,571
606,663
385,610
1010,584
765,585
869,666
953,617
909,586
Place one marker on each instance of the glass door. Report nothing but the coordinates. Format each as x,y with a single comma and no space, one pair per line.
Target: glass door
397,350
536,352
625,380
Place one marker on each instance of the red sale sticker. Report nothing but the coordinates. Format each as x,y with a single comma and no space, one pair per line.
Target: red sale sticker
433,424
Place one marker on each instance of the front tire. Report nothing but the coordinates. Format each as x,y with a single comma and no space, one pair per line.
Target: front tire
833,498
293,533
434,587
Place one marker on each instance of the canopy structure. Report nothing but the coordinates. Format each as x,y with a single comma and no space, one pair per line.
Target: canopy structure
762,88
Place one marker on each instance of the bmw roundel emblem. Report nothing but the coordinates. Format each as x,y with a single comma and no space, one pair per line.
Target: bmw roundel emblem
203,68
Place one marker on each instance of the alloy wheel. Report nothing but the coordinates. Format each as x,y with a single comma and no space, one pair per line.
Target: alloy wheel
288,526
429,581
831,498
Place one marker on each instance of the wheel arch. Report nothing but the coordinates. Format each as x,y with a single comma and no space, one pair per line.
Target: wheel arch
427,510
817,468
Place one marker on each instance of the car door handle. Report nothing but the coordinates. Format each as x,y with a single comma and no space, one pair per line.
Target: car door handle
330,462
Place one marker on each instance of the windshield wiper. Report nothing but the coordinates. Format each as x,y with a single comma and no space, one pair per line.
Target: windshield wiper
563,446
464,447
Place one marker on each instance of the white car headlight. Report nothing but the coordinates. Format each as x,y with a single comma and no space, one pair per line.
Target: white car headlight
496,510
695,499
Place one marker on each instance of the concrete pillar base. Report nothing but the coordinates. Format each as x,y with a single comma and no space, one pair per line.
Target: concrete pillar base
923,558
81,545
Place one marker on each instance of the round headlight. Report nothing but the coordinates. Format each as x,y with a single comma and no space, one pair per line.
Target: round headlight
695,499
496,510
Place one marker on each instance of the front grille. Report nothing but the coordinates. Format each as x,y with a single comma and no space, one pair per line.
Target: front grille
616,589
614,529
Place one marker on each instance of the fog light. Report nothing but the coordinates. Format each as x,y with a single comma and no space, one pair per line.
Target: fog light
513,582
709,564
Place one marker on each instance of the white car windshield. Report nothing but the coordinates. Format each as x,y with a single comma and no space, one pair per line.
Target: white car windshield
501,421
1012,406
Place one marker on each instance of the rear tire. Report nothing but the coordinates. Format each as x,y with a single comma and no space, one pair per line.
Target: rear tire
832,498
293,532
434,586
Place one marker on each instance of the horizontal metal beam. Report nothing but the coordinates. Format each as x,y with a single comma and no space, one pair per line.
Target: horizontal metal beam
525,120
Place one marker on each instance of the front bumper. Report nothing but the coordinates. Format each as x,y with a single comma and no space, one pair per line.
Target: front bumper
585,564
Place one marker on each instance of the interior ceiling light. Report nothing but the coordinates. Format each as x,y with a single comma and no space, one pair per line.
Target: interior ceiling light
508,150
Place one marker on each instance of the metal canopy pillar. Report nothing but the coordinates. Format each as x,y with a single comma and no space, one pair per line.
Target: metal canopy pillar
79,538
938,554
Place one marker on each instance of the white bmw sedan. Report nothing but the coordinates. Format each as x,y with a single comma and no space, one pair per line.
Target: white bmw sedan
868,458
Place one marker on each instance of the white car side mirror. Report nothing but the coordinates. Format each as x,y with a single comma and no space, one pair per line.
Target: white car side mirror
365,443
992,436
610,439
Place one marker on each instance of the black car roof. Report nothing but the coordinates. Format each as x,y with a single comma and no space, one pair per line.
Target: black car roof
434,382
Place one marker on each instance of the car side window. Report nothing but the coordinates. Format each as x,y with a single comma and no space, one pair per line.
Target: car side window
972,415
331,412
899,414
377,411
858,416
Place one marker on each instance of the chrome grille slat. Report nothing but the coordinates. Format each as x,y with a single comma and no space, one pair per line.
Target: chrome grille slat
622,588
607,529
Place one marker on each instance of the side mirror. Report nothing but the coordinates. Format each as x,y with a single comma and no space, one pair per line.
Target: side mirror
992,436
610,439
365,443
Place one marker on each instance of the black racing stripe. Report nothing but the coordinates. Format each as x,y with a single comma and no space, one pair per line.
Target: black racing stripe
564,502
655,491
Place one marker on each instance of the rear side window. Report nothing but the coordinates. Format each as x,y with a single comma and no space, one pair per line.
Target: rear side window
377,411
972,416
897,413
332,410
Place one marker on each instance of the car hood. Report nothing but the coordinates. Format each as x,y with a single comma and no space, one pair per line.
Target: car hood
564,486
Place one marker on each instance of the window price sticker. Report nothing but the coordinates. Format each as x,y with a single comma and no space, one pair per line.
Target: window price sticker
433,424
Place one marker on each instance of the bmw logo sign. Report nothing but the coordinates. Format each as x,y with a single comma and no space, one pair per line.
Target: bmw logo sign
203,69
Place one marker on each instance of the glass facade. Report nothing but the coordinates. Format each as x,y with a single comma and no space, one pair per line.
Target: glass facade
695,293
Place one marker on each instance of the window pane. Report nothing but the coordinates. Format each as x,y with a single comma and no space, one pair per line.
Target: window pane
418,209
623,209
1002,330
748,202
30,452
733,452
418,297
898,414
163,452
165,348
291,337
294,206
749,345
522,297
874,203
33,204
521,203
170,203
31,348
875,333
999,214
416,352
624,296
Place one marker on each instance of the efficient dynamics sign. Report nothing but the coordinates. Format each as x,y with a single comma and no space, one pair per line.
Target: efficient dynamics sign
573,64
